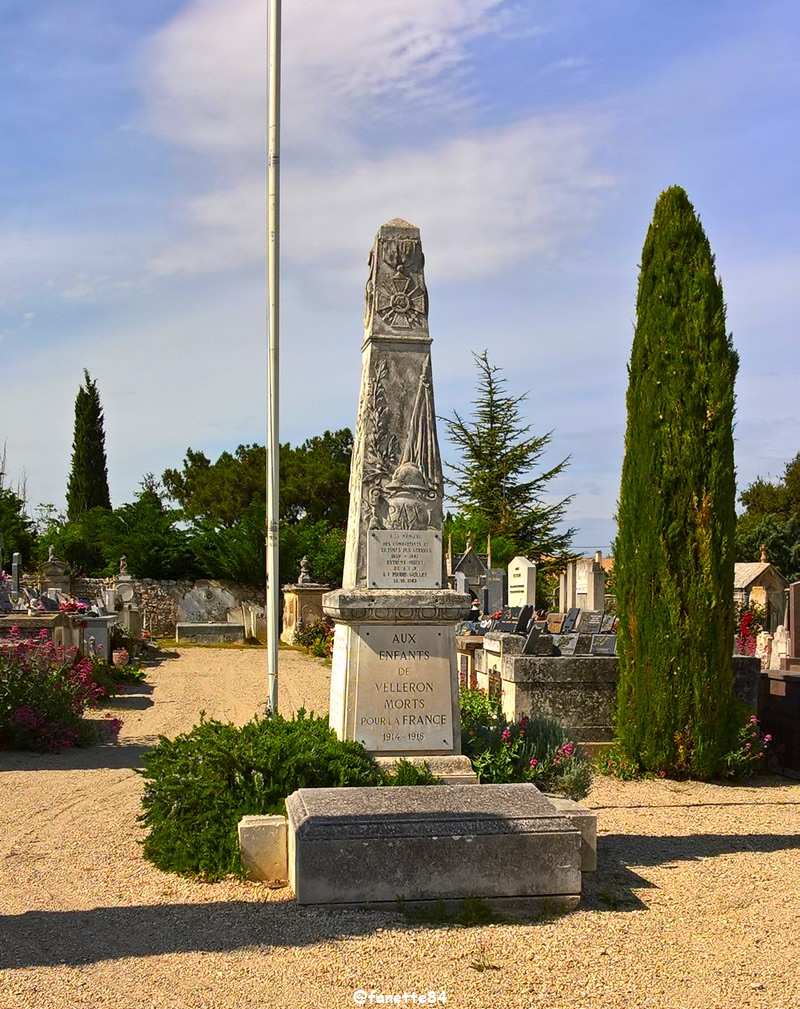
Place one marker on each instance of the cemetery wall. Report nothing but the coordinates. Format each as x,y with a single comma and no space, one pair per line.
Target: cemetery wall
161,602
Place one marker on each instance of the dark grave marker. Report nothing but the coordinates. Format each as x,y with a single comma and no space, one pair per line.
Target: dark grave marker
524,618
590,621
604,644
570,620
495,591
607,626
565,644
529,647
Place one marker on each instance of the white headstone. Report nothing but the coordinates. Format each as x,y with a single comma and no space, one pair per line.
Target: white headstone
521,583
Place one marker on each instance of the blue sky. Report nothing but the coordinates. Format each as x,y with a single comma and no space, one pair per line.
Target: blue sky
527,140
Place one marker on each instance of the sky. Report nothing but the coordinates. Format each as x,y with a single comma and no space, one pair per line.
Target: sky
528,141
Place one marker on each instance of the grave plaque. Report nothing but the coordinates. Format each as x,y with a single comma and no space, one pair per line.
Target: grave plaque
555,622
404,558
524,618
570,620
607,625
532,640
590,621
565,644
403,699
604,644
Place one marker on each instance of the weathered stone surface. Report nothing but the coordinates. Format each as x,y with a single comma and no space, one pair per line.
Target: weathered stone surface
452,769
398,694
585,820
262,845
373,845
212,634
396,699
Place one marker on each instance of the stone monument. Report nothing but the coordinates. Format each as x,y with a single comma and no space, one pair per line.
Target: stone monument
302,603
394,682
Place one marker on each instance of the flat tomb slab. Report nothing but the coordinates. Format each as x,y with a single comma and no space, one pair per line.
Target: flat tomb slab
209,633
430,842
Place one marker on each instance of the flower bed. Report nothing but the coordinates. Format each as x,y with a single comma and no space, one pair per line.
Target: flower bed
45,690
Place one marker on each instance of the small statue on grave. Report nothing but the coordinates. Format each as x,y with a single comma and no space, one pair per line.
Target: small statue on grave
305,577
51,554
123,565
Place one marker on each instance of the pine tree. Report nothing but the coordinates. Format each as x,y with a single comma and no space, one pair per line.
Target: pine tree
499,487
88,479
674,554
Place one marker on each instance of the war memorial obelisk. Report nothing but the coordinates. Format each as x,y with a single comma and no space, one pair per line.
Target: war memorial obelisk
394,682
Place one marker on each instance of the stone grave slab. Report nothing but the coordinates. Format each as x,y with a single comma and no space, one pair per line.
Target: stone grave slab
371,846
555,622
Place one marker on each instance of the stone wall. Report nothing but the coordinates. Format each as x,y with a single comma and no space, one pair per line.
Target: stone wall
160,602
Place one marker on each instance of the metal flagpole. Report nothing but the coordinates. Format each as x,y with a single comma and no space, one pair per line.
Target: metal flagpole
273,445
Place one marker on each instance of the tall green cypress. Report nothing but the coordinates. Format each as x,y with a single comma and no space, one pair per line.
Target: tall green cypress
674,554
88,479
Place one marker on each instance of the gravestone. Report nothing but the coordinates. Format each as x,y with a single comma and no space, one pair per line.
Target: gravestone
590,621
523,620
570,620
604,644
555,622
16,571
521,583
394,680
495,591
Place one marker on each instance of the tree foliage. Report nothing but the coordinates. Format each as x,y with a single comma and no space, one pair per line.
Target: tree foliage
499,483
88,480
224,503
772,519
674,553
17,533
145,531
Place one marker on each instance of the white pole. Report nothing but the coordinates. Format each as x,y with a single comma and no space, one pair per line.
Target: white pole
273,445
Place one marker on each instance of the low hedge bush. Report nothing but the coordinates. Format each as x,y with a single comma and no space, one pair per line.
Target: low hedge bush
200,784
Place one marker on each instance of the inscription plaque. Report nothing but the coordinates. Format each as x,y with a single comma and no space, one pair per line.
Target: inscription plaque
404,699
565,644
404,558
604,644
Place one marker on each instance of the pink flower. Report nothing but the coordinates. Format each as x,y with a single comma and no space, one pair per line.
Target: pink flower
534,762
768,738
506,735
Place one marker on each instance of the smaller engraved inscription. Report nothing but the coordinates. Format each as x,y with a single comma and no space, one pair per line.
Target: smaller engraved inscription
404,559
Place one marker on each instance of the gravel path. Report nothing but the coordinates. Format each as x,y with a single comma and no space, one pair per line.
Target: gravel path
696,903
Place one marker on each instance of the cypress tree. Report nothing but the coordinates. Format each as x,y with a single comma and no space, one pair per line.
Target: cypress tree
88,479
674,554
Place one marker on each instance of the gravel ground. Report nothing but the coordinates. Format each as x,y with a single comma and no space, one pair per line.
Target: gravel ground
696,902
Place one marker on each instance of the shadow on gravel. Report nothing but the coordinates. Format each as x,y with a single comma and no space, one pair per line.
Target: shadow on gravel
612,887
111,756
77,938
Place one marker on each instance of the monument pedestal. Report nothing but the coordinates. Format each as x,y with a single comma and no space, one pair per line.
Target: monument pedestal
302,604
394,682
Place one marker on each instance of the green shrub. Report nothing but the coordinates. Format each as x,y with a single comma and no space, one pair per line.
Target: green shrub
536,750
200,784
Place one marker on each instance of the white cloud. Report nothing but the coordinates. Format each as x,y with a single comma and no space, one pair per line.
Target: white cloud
205,80
483,201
